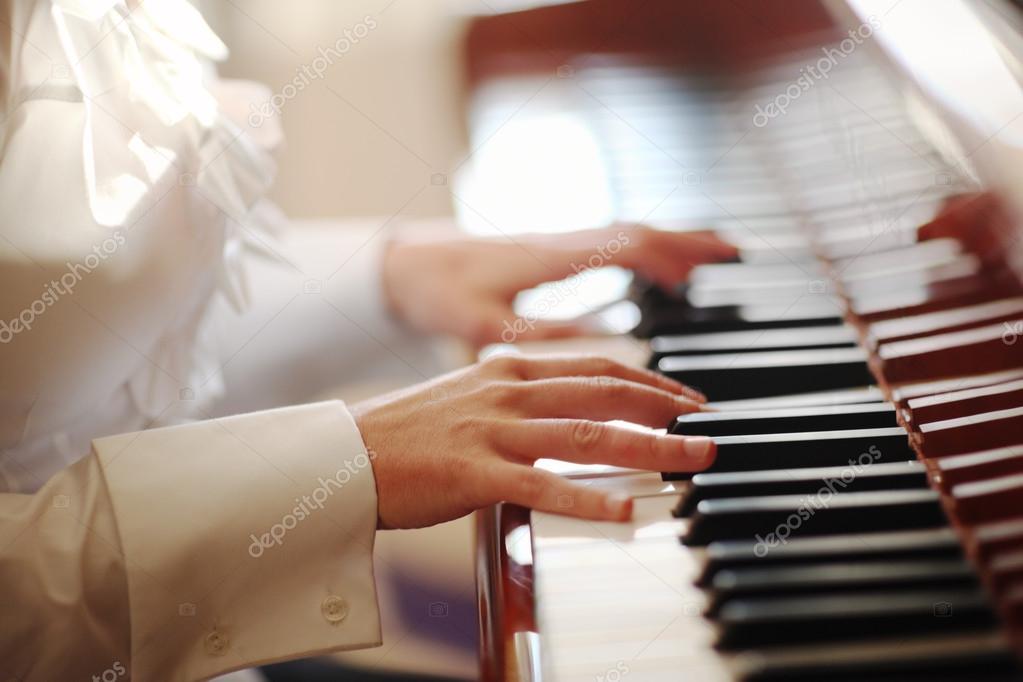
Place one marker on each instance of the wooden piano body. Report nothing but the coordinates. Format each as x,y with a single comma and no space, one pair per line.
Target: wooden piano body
564,600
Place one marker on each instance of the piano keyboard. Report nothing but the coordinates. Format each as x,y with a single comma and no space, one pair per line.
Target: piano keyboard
864,516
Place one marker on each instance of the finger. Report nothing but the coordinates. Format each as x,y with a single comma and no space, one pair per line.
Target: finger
703,244
550,367
669,257
599,398
711,244
665,269
544,491
959,216
591,442
546,330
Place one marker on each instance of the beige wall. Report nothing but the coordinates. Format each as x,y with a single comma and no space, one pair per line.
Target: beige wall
395,120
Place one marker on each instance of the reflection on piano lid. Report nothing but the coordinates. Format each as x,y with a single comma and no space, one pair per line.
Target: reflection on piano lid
863,518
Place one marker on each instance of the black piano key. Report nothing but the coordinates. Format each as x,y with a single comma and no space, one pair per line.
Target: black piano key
845,396
787,420
735,376
933,543
673,316
760,622
909,475
829,336
984,655
758,452
773,519
845,578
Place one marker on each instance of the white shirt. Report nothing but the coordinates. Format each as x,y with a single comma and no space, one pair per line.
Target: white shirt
132,204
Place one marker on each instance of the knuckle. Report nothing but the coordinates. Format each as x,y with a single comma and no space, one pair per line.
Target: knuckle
468,427
604,365
654,446
611,387
586,435
504,395
483,331
531,483
505,365
643,237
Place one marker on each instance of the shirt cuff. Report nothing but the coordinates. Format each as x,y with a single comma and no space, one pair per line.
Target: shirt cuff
247,539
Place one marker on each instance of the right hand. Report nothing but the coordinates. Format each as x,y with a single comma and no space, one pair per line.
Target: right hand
469,439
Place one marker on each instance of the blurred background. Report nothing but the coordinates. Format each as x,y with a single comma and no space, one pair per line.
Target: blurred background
382,121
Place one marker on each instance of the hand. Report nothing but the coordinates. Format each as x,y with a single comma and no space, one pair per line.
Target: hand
978,220
466,287
469,439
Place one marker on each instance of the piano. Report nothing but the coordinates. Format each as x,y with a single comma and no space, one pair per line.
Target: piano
864,516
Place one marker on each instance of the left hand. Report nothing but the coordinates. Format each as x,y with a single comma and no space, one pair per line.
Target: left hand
466,287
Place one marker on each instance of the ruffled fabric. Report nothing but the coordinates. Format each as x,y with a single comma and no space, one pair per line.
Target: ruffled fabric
149,66
152,63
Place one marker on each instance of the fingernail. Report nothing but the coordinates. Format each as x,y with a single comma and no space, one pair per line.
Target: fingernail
618,505
686,404
676,386
698,447
695,395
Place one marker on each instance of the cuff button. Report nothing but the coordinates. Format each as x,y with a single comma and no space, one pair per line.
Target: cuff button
334,609
216,643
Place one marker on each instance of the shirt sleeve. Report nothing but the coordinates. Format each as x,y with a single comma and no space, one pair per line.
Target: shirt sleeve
185,552
319,318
